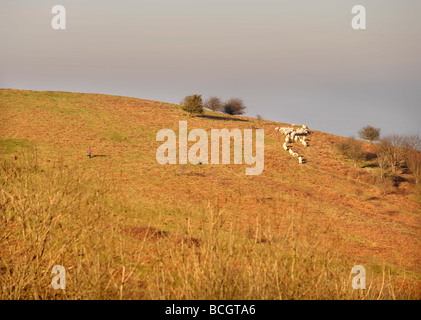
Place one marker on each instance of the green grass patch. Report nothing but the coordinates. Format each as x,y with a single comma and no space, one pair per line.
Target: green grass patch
11,145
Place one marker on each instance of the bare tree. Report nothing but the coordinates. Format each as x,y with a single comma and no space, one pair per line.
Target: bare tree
213,103
391,154
383,162
369,133
259,118
234,106
413,157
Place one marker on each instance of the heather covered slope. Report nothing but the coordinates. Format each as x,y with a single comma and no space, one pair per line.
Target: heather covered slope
189,231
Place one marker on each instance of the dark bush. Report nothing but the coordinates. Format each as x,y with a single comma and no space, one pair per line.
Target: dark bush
234,106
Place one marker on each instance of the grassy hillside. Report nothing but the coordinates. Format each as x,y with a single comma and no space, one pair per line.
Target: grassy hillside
126,227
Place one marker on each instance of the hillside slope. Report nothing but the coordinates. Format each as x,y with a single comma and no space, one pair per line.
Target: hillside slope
325,205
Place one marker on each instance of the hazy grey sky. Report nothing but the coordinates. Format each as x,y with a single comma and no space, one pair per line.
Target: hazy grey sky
295,61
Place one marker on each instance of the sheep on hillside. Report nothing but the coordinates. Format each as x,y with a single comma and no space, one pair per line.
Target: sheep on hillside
294,135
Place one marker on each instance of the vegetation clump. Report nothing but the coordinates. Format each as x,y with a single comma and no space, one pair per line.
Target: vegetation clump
213,103
193,104
234,106
369,133
352,150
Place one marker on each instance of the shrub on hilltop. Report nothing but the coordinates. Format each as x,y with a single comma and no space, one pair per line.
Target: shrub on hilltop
192,104
234,106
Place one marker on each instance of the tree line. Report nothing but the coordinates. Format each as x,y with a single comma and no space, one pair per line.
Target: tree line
395,154
194,105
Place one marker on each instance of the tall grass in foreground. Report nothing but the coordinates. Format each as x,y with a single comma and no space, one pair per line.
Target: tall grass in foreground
295,264
57,214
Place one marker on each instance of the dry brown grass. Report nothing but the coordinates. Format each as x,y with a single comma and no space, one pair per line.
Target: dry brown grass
127,228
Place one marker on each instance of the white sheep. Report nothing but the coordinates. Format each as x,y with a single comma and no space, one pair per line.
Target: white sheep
295,154
285,146
285,130
300,159
291,152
